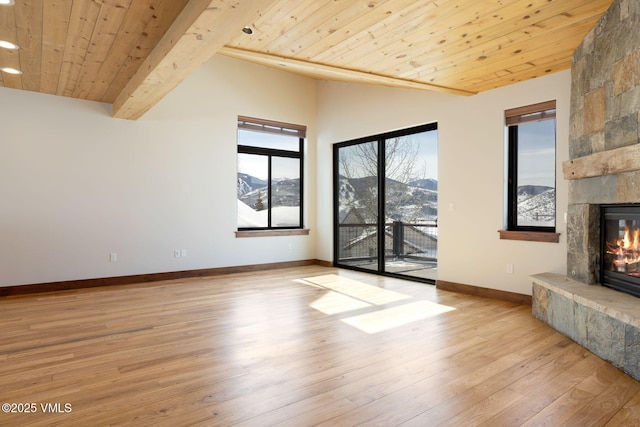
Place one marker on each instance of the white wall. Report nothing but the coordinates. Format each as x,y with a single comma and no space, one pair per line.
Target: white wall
78,184
471,171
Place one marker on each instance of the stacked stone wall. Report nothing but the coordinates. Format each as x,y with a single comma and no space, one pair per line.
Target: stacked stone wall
605,114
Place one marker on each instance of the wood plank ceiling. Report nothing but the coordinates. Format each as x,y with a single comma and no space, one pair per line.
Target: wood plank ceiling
130,53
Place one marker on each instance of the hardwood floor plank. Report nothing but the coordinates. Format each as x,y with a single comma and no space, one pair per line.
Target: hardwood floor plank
467,399
629,415
279,348
410,365
577,399
606,404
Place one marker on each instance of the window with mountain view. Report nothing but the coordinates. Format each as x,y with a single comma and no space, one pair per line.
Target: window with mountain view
531,192
270,172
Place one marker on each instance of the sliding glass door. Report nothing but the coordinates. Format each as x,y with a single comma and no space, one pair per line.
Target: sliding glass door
358,205
385,203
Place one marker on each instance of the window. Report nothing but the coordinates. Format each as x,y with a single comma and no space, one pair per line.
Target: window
531,180
270,174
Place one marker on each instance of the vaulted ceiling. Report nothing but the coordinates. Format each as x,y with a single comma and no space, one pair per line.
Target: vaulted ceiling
131,53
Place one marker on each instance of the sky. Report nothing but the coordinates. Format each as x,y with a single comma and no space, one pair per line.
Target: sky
426,160
256,165
536,146
537,153
428,153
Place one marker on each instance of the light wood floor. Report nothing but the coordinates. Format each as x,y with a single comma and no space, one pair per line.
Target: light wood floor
297,347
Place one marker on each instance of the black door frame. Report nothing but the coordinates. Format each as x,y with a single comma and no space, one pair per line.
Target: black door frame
380,140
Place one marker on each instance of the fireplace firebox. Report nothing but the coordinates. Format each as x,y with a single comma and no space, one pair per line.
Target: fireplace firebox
620,244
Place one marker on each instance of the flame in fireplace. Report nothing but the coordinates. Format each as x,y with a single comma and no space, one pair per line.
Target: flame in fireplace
626,251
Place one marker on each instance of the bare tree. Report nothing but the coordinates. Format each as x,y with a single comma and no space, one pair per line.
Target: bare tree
359,165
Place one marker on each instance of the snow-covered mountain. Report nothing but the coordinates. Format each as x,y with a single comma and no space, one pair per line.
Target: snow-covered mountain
532,190
412,202
286,192
536,205
428,184
248,183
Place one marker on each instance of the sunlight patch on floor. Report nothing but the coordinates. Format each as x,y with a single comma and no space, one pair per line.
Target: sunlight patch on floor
353,288
389,318
344,295
334,303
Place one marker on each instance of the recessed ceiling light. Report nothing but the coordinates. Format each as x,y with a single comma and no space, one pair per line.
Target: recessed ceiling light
9,70
7,2
8,45
247,30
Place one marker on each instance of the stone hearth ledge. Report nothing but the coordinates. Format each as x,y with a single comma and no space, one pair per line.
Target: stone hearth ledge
604,321
620,306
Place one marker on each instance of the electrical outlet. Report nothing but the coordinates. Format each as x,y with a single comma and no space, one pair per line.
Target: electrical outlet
510,268
176,253
113,257
183,252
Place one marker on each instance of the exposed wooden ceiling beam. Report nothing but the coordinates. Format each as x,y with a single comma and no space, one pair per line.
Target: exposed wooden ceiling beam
201,29
326,71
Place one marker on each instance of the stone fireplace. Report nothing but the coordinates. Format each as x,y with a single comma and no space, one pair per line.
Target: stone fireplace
604,169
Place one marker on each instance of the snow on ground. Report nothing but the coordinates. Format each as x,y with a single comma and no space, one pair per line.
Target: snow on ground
281,216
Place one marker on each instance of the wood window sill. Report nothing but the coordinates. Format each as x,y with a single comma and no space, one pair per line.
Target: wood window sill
272,233
530,236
